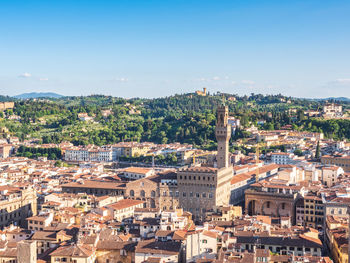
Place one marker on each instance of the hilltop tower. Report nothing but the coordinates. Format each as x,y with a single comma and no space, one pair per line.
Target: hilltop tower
223,135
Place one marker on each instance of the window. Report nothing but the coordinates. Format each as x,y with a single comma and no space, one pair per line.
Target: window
197,195
184,194
143,194
153,194
204,241
177,193
164,193
191,194
204,195
210,195
132,193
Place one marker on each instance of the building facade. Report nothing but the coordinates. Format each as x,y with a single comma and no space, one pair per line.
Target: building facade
16,204
202,189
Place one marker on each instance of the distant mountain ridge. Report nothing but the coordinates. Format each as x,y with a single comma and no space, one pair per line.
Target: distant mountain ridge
35,95
345,99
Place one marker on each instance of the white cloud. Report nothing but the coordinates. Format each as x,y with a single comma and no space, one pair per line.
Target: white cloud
248,82
121,79
216,78
25,75
342,81
43,79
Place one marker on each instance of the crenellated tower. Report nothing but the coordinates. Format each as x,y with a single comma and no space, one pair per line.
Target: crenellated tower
223,135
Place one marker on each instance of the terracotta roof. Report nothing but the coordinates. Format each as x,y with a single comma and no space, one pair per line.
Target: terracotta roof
152,246
82,251
164,233
37,218
44,235
138,170
125,203
95,184
179,235
240,178
210,234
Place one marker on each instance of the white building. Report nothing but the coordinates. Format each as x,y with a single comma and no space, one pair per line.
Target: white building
92,154
134,173
282,158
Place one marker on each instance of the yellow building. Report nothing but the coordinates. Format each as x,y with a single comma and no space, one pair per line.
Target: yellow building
202,93
342,161
225,213
339,249
336,238
313,211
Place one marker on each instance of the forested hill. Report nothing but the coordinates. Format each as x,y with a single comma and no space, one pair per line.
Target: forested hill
186,118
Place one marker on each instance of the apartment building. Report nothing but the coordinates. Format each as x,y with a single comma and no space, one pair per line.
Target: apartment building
131,149
89,154
282,158
330,175
313,211
341,161
16,204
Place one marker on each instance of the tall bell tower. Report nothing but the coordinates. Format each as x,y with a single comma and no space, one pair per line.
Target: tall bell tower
223,135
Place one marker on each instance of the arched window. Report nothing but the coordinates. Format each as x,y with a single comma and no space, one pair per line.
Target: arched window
153,194
143,194
152,203
132,193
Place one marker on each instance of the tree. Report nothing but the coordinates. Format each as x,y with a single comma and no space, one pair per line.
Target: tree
317,155
298,152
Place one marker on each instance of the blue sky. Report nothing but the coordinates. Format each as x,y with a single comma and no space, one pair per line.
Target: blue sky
158,48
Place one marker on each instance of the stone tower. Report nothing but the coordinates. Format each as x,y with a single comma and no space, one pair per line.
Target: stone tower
26,251
223,134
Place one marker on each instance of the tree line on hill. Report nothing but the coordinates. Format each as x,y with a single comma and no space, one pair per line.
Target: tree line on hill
186,118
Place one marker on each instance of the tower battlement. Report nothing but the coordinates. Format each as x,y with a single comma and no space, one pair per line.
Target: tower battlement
223,135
